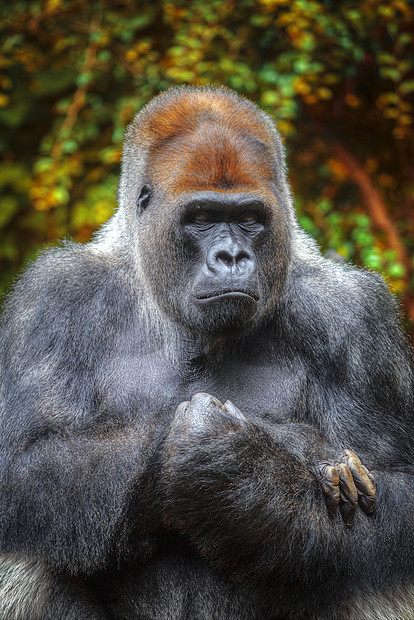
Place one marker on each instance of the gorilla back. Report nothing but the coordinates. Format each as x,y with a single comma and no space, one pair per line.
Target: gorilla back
131,487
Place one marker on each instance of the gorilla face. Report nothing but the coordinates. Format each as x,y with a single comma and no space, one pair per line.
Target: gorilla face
223,260
223,231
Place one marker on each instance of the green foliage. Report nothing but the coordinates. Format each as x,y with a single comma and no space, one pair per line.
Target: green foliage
337,77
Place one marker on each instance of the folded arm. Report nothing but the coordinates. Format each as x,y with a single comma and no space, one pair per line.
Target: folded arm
251,497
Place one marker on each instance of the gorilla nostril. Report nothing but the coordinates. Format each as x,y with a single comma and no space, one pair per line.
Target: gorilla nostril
225,258
242,256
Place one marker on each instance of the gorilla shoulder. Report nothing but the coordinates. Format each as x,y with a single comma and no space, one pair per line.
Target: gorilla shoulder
336,303
68,284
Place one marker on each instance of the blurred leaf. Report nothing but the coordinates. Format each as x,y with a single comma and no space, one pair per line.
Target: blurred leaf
407,87
8,207
396,270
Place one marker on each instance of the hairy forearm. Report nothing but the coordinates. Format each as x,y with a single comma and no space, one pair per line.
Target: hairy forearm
249,499
238,495
69,500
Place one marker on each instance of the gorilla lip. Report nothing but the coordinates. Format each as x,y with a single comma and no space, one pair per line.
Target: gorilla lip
229,293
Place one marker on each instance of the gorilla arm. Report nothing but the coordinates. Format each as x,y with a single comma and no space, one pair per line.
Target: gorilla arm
74,481
240,489
250,494
247,495
75,501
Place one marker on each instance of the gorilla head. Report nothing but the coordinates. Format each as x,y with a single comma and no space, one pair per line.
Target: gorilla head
203,193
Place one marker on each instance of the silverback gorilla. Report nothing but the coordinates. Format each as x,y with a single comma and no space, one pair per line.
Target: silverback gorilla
131,485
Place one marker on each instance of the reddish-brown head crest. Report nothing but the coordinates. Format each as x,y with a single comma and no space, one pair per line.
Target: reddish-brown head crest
204,139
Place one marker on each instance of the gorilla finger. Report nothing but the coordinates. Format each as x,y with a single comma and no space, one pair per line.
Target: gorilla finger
182,407
364,485
370,476
329,479
180,420
348,493
200,409
203,400
231,408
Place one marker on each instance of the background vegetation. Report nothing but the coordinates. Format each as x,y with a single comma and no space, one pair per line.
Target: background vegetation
337,76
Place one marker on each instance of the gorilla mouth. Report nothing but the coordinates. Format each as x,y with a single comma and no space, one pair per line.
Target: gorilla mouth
228,293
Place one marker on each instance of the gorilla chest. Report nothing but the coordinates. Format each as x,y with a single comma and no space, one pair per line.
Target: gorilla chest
271,389
148,383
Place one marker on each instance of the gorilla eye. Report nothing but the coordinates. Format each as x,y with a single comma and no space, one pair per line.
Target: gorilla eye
248,218
143,199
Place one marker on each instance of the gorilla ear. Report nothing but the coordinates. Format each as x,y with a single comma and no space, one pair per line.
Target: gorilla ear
144,199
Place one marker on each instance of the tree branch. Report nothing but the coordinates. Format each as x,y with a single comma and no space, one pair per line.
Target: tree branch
373,201
378,213
78,100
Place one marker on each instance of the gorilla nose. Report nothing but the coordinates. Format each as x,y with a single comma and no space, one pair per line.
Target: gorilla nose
230,260
234,260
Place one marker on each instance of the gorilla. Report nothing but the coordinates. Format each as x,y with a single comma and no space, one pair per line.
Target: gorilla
202,417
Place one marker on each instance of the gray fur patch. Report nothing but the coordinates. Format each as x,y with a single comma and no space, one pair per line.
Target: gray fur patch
25,584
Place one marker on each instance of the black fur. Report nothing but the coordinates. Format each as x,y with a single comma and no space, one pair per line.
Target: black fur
113,507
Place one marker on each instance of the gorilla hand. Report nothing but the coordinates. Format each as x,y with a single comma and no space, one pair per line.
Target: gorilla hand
200,409
199,459
346,484
203,429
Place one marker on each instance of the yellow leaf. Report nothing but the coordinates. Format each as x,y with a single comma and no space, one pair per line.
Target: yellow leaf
324,93
130,55
301,86
352,100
